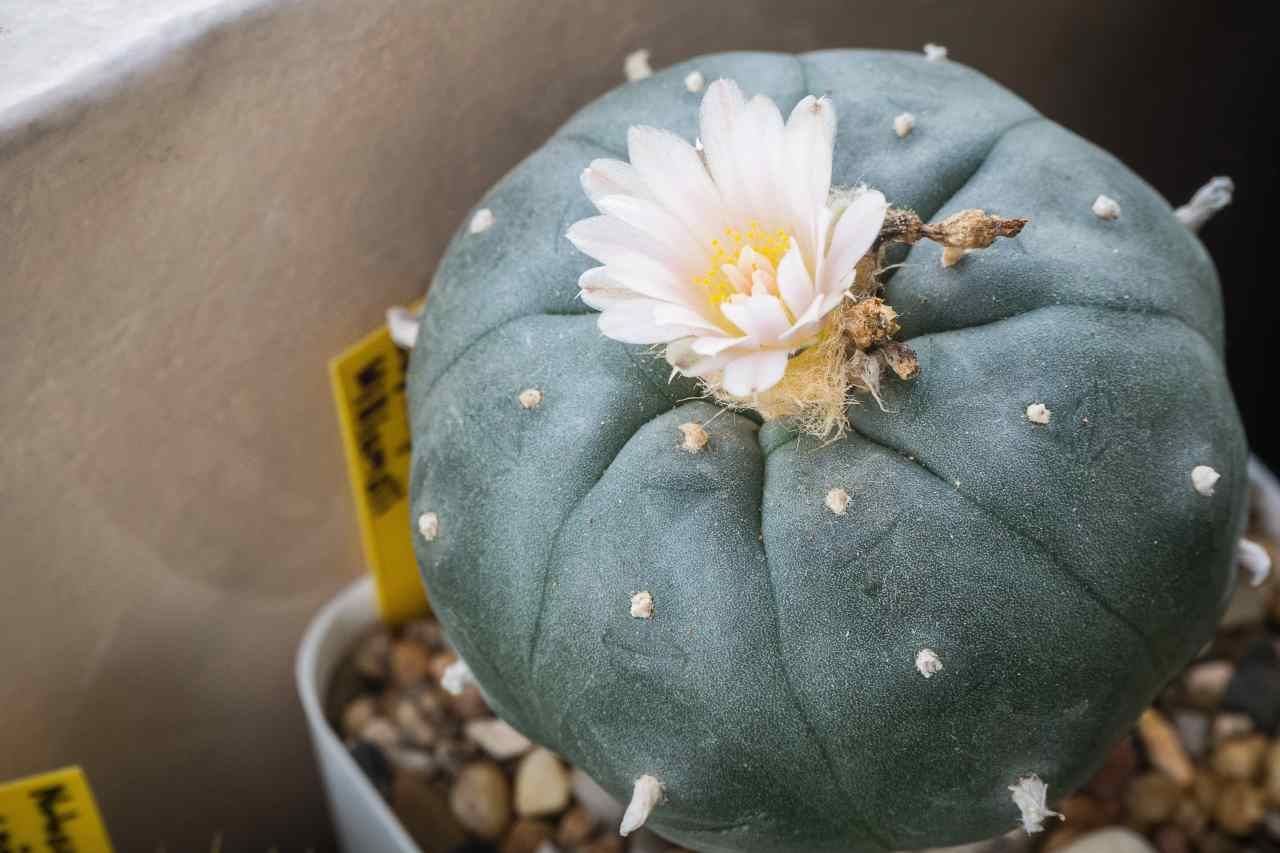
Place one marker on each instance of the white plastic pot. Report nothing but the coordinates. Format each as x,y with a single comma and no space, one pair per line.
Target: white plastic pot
363,820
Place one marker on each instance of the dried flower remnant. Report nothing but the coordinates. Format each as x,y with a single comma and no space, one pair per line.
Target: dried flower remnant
694,437
1030,795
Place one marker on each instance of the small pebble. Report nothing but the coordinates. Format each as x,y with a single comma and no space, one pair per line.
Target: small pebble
1240,808
381,732
373,762
575,827
526,836
481,799
1109,782
439,663
1164,747
357,713
1205,683
1254,689
1113,839
1193,731
595,799
452,755
542,784
372,656
410,663
1172,839
1227,725
607,843
425,631
469,704
424,813
497,738
1272,774
1239,758
1205,790
413,727
412,760
1151,798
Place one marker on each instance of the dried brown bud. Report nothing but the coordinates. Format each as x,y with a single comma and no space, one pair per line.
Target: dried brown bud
901,359
972,229
869,322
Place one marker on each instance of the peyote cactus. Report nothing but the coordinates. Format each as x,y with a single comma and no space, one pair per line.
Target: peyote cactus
892,636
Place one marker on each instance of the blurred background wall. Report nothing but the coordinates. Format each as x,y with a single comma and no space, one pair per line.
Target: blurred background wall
201,201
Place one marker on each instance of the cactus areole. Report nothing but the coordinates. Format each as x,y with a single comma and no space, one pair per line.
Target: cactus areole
891,637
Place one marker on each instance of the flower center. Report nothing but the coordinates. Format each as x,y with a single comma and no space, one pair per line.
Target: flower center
766,250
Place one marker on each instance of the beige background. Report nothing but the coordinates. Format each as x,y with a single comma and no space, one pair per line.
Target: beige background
202,201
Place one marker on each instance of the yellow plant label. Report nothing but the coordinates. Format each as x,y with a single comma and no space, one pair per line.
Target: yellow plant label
369,388
51,813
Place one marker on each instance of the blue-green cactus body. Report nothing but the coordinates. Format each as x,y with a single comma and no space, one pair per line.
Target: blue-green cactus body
1061,572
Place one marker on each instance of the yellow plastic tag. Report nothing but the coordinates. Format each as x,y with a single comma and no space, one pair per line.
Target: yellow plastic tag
369,388
52,812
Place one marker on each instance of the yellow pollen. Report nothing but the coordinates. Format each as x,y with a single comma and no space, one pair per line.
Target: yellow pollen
726,250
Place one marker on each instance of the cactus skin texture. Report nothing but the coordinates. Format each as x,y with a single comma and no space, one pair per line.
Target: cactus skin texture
1061,572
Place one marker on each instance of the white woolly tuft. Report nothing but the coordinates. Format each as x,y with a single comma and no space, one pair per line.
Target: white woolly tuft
1207,201
636,65
837,501
903,124
1030,795
1106,207
429,525
1255,560
642,605
1203,479
1039,413
646,794
928,663
694,81
482,221
456,677
403,325
935,52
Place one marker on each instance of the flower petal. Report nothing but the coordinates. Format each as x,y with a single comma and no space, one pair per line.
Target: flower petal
794,285
806,169
606,177
655,221
760,151
633,323
686,317
599,290
760,316
721,107
756,372
674,174
707,345
634,259
855,231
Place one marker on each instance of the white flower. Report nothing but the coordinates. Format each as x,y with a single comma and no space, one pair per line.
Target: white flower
732,257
